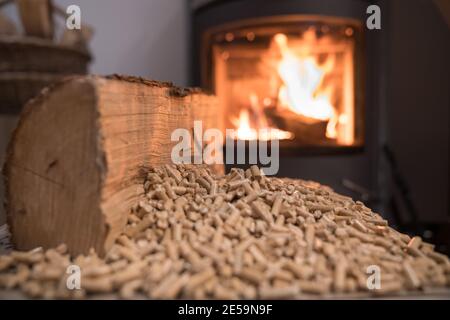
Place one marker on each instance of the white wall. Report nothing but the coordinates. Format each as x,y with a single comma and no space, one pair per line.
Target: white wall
146,38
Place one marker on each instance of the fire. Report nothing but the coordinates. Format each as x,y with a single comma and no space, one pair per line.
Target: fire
302,81
302,76
246,132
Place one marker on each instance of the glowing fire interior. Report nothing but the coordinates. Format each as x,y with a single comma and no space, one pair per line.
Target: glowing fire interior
302,77
308,79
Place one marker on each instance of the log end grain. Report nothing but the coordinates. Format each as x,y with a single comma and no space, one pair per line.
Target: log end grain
73,165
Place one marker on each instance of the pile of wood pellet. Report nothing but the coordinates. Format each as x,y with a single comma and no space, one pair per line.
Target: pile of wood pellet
239,236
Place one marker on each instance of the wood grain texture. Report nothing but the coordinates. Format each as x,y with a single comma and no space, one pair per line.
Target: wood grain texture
74,164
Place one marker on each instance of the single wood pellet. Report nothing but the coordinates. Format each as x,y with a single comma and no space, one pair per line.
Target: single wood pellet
240,236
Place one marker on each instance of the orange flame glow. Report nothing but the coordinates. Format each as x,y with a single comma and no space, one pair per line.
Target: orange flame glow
302,80
302,76
246,132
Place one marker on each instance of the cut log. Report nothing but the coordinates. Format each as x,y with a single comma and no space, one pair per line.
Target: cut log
36,17
74,164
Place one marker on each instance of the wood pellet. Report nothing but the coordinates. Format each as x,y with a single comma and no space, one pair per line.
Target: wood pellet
240,236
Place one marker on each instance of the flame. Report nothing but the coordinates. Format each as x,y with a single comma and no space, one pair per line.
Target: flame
302,76
298,82
246,132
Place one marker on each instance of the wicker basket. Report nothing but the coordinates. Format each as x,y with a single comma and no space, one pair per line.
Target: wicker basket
29,64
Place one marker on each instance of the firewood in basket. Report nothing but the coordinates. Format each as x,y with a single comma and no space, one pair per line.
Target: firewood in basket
36,17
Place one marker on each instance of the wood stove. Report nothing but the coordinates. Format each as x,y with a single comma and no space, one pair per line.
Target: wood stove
293,78
305,72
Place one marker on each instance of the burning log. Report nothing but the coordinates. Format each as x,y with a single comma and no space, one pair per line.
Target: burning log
73,164
306,130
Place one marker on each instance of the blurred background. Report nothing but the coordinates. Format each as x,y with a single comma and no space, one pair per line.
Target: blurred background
401,166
